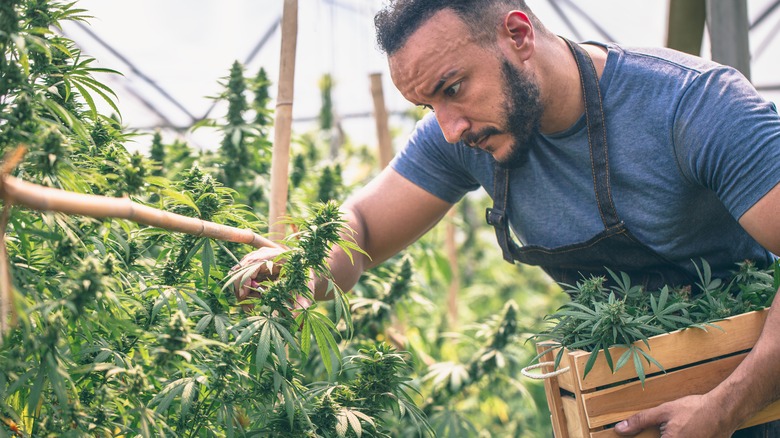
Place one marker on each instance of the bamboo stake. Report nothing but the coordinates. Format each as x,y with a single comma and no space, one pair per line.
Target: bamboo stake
451,247
380,117
7,313
282,125
42,198
7,305
685,28
728,24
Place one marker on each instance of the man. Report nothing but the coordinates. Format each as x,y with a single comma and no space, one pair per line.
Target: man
596,155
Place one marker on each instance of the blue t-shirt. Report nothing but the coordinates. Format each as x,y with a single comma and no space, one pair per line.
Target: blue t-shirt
692,147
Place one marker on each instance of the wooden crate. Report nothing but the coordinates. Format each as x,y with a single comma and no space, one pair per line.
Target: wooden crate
695,362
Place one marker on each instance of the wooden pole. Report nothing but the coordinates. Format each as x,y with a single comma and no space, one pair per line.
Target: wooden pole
7,305
685,30
42,198
380,116
283,123
451,246
728,25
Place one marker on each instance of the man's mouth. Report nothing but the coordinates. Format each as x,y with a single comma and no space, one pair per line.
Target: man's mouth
483,143
480,140
479,143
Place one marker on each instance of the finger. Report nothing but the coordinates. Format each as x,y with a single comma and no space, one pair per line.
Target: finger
238,276
253,268
250,280
301,303
239,288
264,262
266,269
248,288
640,421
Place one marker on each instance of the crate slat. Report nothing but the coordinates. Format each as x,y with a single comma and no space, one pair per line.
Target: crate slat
610,433
672,350
618,403
769,413
696,361
575,427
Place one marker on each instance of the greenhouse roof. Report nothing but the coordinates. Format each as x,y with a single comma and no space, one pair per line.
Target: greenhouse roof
173,53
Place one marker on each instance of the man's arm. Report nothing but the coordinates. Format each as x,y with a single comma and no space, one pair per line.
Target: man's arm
386,216
753,385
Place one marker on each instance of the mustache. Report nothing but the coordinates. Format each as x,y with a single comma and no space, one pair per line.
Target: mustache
471,138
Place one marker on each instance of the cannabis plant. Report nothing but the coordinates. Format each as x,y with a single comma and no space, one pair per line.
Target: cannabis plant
619,314
123,330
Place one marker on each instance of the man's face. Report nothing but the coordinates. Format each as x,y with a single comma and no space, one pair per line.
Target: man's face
523,113
478,96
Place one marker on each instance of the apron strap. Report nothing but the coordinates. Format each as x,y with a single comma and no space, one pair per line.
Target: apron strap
497,216
597,135
597,142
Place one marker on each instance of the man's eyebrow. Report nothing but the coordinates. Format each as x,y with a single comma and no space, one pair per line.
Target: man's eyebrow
442,81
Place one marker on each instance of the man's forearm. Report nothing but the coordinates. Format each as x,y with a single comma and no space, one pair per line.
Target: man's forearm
385,217
756,382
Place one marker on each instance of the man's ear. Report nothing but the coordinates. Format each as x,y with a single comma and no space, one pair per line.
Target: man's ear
518,29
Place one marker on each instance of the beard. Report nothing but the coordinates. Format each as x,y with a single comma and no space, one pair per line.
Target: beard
523,114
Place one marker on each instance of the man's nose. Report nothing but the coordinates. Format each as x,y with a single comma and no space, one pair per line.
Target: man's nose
452,123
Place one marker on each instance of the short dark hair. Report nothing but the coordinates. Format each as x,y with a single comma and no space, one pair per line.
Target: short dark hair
401,18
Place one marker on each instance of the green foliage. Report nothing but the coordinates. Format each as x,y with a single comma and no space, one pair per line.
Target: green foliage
619,315
45,80
261,100
485,376
243,159
125,330
467,374
373,311
326,109
129,331
157,154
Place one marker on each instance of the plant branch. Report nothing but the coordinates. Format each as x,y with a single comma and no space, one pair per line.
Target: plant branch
42,198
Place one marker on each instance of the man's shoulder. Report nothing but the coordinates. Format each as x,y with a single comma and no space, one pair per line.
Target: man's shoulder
665,76
661,60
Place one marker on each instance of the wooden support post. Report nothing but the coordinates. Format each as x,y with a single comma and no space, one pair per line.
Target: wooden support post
728,25
380,116
451,246
283,124
685,30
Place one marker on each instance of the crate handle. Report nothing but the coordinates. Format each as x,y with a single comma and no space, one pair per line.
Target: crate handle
542,376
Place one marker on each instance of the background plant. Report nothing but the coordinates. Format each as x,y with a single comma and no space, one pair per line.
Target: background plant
128,330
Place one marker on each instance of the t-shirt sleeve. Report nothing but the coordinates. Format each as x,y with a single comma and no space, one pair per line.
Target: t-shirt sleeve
438,167
728,138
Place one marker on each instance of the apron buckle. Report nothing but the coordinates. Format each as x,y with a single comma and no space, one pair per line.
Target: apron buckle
495,217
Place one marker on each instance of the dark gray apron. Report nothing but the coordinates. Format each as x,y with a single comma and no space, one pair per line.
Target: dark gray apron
614,247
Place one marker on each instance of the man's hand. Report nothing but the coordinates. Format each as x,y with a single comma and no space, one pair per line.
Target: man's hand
693,416
253,269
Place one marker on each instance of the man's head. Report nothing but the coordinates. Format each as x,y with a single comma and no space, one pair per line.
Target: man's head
401,18
471,61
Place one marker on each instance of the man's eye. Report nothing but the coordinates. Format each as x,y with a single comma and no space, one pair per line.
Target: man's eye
452,90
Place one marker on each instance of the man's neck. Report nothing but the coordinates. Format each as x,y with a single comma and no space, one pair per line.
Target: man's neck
560,83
